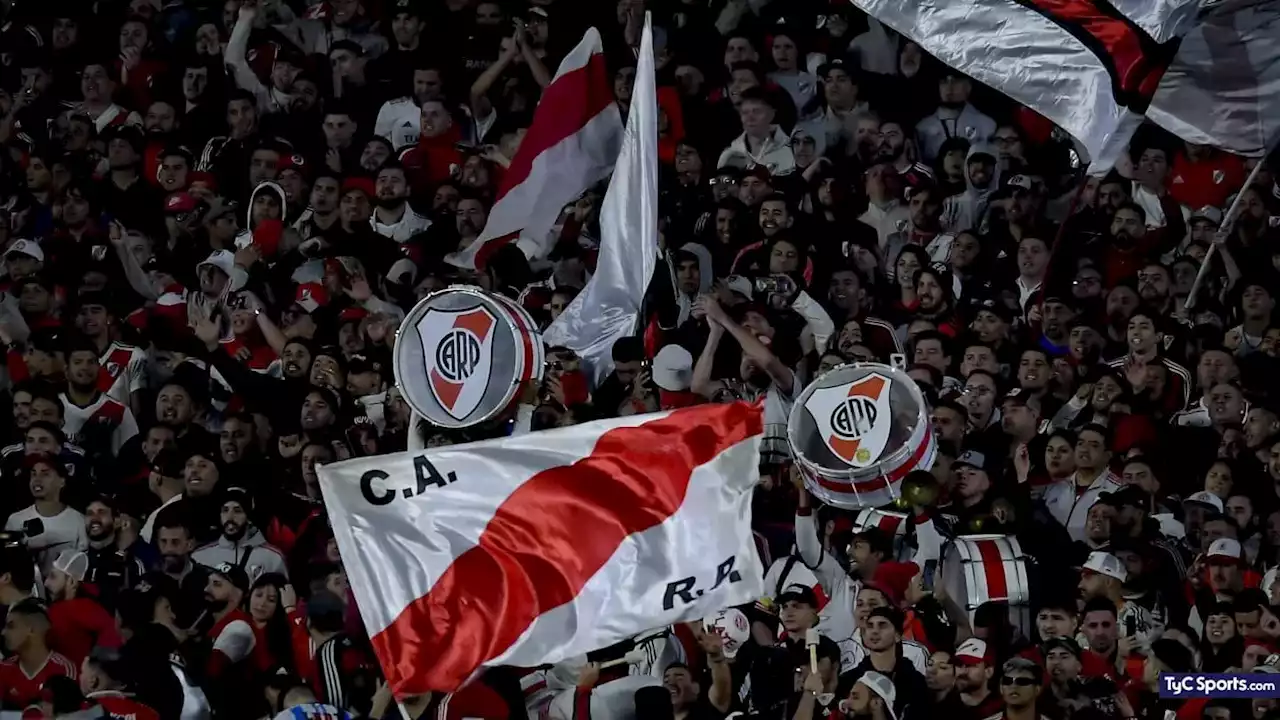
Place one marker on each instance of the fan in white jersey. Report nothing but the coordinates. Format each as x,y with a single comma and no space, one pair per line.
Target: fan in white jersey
95,421
123,367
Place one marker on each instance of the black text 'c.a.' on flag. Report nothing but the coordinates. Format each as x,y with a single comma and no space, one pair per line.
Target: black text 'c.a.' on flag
535,548
1091,66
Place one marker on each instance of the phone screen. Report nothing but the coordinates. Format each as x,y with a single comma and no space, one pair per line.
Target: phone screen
930,568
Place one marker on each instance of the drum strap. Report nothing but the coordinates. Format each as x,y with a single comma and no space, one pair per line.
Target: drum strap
786,572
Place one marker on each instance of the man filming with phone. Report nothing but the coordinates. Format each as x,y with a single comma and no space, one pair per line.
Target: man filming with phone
48,524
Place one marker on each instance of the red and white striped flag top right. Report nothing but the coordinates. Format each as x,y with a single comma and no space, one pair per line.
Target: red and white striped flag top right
535,548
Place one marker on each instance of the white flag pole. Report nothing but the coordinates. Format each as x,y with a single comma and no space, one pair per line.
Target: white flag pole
1224,230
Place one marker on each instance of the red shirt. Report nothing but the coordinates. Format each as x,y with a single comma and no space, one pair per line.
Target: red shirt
1209,182
120,706
20,690
77,625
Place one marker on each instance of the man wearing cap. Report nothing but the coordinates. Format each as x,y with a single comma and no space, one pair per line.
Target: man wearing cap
23,259
874,697
972,698
817,697
236,652
971,497
1103,576
240,544
44,438
798,612
79,623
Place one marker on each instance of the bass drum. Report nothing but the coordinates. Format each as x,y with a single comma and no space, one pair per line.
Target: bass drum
856,432
977,569
464,356
891,523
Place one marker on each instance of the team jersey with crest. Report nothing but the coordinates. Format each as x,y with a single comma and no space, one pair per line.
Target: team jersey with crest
124,371
104,416
21,689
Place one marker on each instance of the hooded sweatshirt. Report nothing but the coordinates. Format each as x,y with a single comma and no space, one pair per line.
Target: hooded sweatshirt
968,210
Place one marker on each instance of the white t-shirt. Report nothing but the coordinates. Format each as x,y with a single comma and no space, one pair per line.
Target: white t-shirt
64,531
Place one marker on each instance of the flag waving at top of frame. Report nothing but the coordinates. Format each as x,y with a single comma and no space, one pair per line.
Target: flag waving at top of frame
1091,66
535,548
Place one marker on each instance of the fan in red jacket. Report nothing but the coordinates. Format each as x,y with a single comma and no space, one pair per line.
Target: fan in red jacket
79,622
434,158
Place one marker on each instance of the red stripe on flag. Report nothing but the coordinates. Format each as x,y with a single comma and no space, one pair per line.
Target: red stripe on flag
567,105
1135,63
993,570
549,538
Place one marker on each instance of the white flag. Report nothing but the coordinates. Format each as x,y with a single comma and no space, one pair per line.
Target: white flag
1091,66
535,548
1223,88
609,307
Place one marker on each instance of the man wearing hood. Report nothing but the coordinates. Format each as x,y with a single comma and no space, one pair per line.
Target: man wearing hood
954,118
241,543
268,204
968,210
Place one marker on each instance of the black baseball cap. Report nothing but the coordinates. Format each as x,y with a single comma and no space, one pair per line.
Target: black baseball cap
797,592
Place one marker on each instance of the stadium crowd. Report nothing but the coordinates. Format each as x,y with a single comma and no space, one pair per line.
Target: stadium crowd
215,215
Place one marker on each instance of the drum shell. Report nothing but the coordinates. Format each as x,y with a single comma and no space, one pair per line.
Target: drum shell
501,349
857,431
988,568
892,523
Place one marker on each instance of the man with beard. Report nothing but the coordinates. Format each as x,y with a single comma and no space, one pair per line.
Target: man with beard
972,698
78,622
968,210
235,647
175,544
873,697
893,150
241,543
1132,241
112,569
922,228
471,217
393,217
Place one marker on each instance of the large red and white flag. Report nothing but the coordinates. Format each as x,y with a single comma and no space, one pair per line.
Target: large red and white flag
535,548
1091,66
572,144
609,307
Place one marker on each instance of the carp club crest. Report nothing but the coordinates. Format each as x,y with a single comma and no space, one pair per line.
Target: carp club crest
856,431
854,419
458,349
463,354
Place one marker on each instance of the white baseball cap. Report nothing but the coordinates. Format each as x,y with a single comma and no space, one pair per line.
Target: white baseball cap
972,652
30,248
1208,499
1224,549
673,369
732,627
74,563
1208,212
882,686
1106,564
